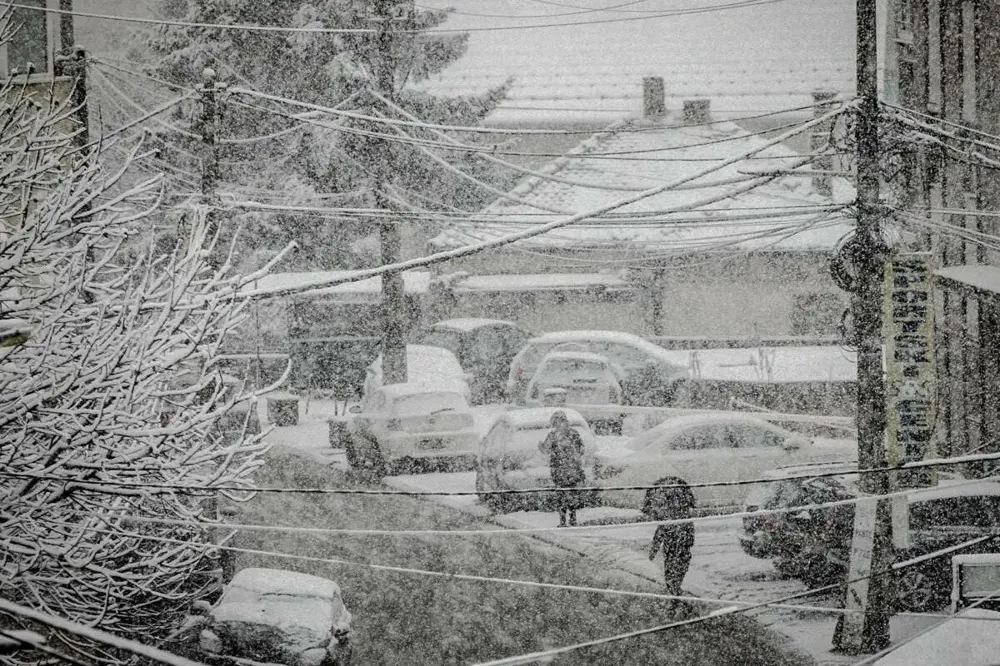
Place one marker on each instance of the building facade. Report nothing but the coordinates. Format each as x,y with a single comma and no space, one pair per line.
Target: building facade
942,85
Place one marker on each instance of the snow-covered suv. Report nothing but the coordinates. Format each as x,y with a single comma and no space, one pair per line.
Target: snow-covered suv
649,374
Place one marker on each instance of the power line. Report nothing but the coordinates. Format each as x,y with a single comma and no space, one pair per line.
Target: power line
370,31
97,635
466,128
171,487
531,583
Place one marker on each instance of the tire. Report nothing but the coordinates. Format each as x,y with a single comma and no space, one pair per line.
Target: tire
367,460
916,590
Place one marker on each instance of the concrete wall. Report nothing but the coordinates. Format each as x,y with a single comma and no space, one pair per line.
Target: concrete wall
752,295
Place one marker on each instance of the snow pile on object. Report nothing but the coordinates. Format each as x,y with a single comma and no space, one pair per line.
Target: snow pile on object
278,616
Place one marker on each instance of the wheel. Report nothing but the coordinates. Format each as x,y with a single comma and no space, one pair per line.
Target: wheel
916,590
367,459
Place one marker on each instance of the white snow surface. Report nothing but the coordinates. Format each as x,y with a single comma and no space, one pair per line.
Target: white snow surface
539,282
427,366
982,278
303,608
589,65
771,364
466,324
961,641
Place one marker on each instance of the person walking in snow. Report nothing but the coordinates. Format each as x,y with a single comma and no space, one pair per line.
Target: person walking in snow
564,447
675,501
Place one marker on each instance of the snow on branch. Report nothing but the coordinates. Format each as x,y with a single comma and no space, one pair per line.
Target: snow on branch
115,381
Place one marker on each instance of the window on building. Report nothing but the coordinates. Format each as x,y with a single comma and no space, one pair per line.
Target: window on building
816,313
905,21
29,45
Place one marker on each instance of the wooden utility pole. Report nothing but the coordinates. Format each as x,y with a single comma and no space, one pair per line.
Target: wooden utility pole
867,631
208,126
387,14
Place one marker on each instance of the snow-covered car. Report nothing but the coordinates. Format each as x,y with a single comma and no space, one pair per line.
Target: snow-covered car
280,617
710,448
509,458
427,366
407,427
484,347
584,379
648,373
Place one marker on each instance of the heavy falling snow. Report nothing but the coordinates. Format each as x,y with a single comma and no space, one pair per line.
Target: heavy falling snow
482,332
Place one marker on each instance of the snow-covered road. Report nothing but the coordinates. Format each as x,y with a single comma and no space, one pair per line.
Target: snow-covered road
719,568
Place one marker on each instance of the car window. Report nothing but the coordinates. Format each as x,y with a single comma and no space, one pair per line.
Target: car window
427,403
513,339
522,447
450,340
557,369
488,346
974,511
625,355
699,437
751,435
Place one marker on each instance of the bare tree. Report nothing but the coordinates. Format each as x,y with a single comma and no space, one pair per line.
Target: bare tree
112,409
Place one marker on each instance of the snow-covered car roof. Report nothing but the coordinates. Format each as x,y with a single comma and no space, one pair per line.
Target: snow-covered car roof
675,423
301,612
539,417
466,324
574,356
393,391
603,336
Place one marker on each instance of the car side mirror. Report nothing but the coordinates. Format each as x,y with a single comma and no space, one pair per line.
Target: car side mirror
354,409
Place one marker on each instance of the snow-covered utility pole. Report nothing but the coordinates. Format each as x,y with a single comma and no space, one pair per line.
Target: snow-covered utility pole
208,126
869,584
387,14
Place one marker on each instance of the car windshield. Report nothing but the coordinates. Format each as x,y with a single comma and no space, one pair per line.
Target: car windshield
571,368
450,340
421,404
974,511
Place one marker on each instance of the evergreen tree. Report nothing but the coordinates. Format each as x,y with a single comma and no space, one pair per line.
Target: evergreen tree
324,69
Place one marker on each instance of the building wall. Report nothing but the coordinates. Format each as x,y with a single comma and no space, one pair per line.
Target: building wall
764,294
949,68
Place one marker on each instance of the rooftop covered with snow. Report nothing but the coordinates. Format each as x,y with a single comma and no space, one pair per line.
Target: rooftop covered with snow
716,212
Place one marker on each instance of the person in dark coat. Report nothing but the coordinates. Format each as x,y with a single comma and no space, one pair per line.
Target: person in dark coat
564,447
676,540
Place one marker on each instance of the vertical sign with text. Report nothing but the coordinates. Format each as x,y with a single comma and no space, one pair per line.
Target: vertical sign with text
909,365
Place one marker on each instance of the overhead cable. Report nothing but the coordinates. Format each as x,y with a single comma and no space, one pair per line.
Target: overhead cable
540,584
545,228
371,31
846,470
71,627
470,128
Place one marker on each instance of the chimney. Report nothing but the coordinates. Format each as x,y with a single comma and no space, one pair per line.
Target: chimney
822,101
696,111
654,103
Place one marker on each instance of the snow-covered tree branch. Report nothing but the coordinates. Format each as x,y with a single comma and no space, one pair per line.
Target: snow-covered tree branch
113,387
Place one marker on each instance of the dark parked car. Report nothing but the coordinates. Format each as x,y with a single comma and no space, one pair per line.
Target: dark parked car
484,348
814,544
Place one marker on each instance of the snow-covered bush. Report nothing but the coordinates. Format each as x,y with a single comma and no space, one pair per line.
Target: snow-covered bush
112,411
